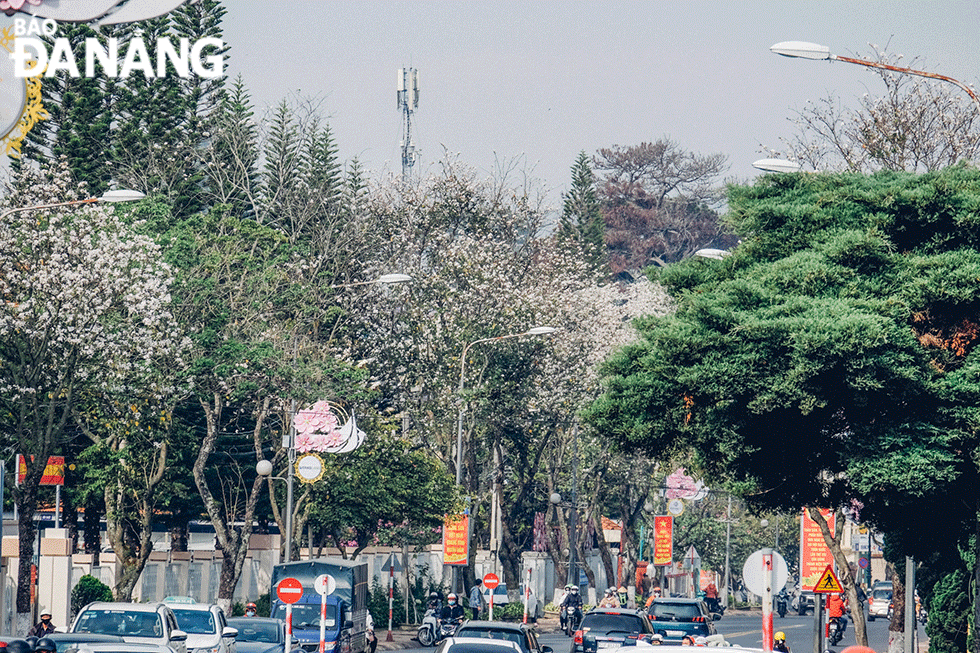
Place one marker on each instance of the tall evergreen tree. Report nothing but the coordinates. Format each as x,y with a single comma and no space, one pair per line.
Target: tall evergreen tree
581,219
80,110
232,155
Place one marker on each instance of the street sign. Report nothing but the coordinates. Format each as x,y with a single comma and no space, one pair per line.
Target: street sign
392,561
754,576
325,584
289,590
490,581
828,583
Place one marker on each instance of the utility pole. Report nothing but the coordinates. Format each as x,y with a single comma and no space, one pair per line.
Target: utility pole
408,102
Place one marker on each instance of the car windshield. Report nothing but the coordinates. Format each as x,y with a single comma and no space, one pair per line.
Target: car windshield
679,611
882,594
612,623
493,633
195,622
120,622
264,631
307,615
476,648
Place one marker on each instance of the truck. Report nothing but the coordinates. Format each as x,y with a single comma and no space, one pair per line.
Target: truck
346,620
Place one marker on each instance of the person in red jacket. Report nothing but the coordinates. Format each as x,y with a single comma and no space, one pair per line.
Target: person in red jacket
836,605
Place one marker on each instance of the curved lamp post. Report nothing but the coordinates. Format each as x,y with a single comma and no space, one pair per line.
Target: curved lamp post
110,196
264,467
776,165
535,331
804,50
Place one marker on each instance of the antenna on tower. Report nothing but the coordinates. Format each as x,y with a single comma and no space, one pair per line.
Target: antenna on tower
408,102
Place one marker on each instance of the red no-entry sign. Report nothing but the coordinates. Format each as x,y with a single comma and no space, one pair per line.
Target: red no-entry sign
289,590
491,581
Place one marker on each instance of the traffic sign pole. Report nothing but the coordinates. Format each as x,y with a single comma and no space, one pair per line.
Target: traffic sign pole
527,593
767,575
323,622
490,581
391,598
289,622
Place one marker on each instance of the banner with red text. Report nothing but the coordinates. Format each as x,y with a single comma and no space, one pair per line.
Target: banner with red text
54,471
663,540
456,540
814,553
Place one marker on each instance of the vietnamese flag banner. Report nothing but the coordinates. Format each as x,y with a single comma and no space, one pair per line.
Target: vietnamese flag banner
456,540
54,471
663,540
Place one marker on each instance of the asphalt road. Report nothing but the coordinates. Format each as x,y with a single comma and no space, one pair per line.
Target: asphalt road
744,628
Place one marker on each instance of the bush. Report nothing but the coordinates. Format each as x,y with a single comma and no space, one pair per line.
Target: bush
513,611
88,589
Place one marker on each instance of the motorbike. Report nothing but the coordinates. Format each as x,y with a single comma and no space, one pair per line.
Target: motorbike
923,616
837,627
715,607
573,619
429,628
782,602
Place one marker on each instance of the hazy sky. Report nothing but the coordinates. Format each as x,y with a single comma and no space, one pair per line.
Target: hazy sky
542,81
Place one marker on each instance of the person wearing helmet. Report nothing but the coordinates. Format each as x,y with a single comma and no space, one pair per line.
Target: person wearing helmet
609,600
250,610
19,646
573,605
43,627
31,641
435,602
623,597
46,644
452,611
779,642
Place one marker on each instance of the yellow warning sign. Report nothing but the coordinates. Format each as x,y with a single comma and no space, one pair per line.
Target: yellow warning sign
828,583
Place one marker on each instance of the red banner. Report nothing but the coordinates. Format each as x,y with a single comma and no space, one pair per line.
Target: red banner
54,471
456,540
663,540
815,556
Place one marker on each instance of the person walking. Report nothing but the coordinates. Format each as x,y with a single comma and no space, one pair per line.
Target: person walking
476,598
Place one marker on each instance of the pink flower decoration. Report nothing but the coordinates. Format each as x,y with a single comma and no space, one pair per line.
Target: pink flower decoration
15,5
304,442
306,421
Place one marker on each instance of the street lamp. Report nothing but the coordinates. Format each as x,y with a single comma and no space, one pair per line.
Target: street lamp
264,467
495,503
715,254
804,50
110,197
776,165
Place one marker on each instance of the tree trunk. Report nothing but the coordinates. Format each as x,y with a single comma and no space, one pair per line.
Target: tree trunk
604,553
896,627
976,583
92,525
26,501
844,574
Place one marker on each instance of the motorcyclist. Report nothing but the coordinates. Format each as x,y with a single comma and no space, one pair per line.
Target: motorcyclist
250,610
573,604
435,602
782,602
562,614
452,611
711,597
609,600
779,642
836,606
622,596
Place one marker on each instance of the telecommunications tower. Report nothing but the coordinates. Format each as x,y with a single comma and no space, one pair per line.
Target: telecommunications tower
408,102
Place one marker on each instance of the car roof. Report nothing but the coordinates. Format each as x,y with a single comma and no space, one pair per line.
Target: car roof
122,647
131,607
678,599
630,611
200,607
481,641
256,620
496,625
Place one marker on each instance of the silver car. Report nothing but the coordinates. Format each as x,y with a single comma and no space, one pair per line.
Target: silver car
136,623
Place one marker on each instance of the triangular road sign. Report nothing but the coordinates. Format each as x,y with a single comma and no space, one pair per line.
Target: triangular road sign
828,583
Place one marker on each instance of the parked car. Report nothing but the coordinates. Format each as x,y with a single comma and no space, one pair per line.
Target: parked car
804,602
520,634
499,595
477,645
611,628
878,601
262,635
675,618
65,641
137,623
206,627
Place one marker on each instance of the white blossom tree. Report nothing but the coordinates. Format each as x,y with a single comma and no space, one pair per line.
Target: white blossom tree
85,310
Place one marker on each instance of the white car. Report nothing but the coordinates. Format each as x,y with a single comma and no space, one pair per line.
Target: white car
120,647
136,623
477,645
206,627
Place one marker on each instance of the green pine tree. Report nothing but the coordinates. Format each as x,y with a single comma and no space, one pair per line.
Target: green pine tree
581,219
